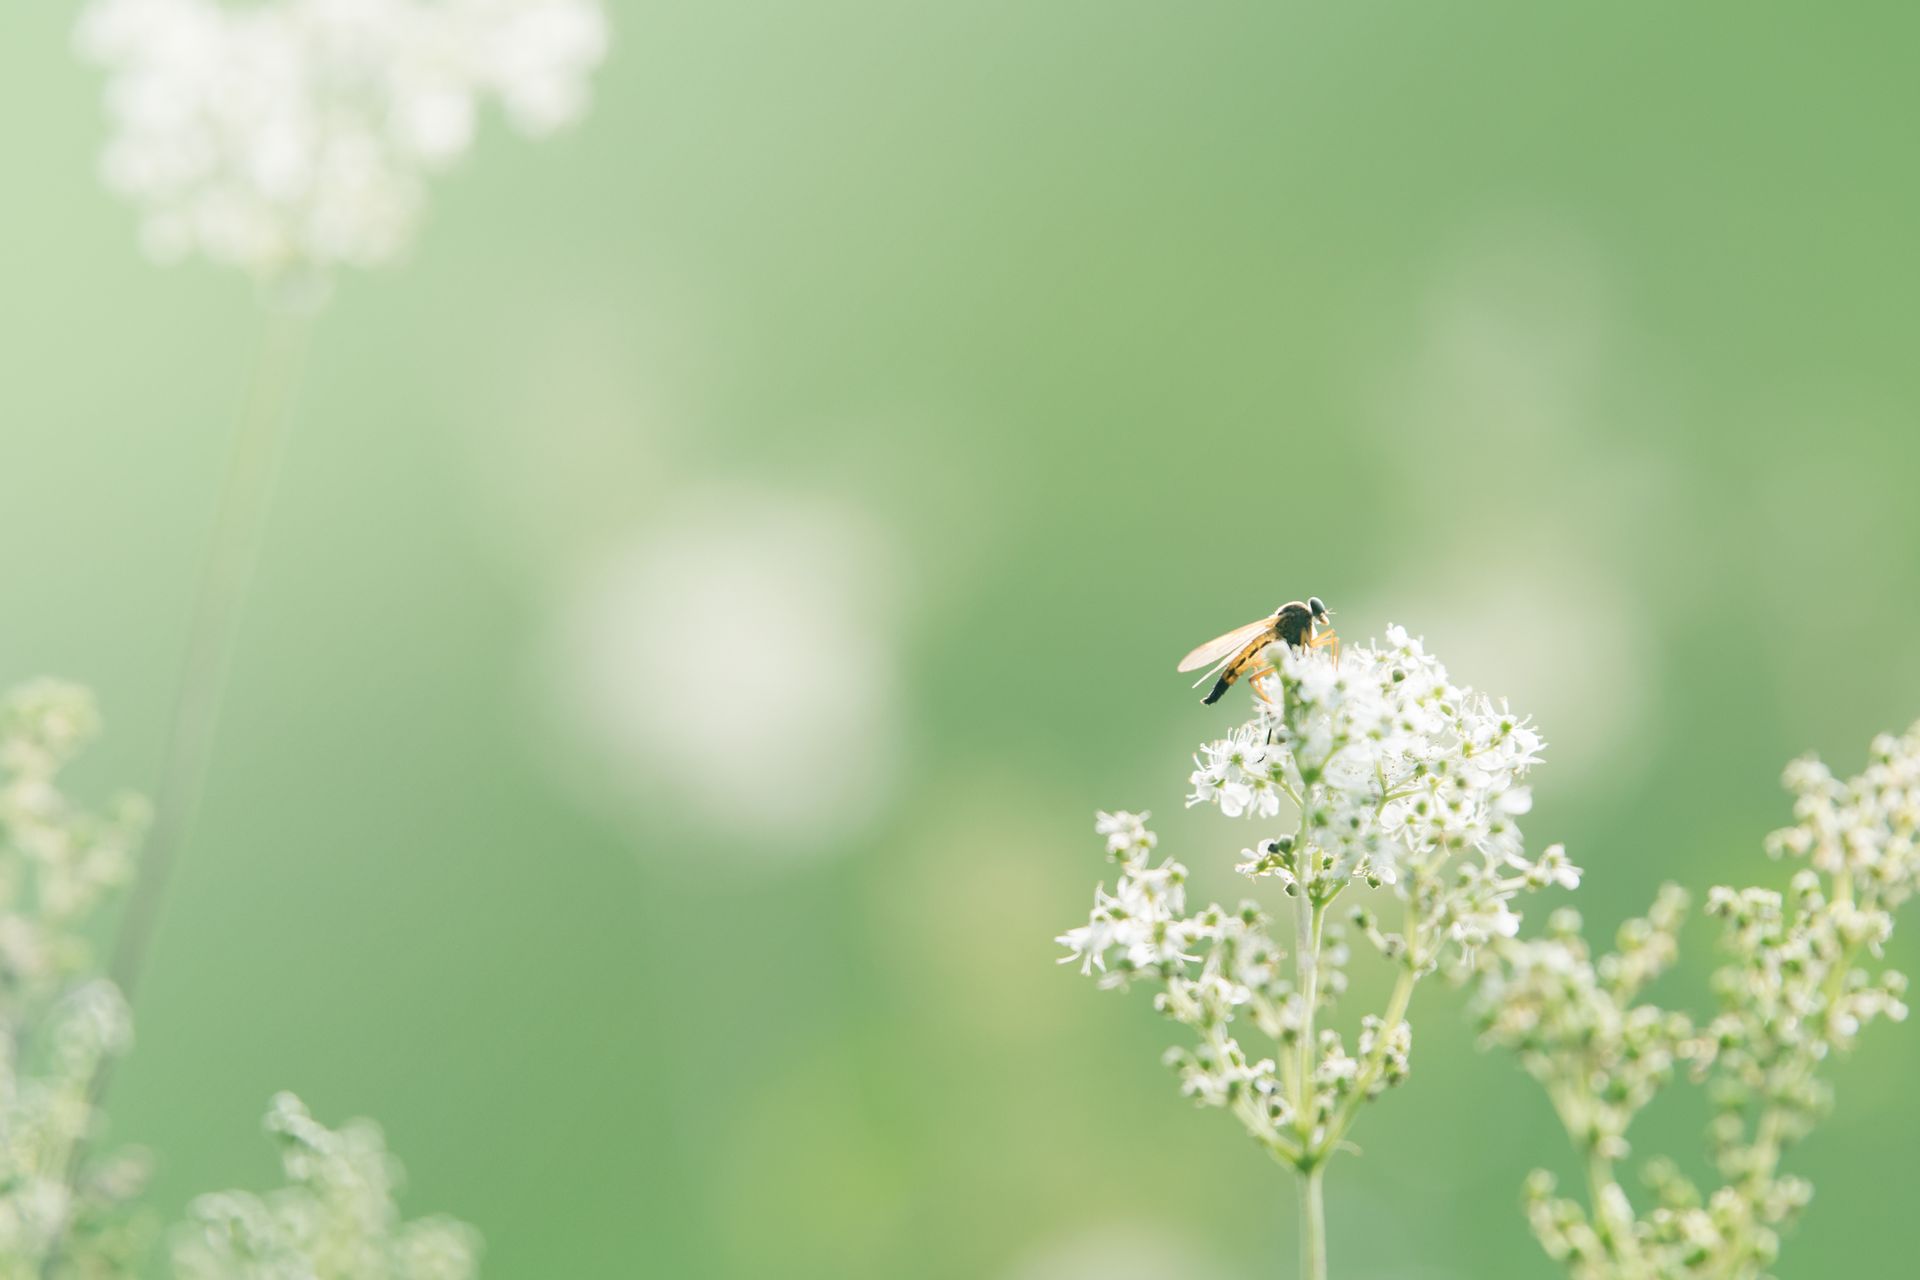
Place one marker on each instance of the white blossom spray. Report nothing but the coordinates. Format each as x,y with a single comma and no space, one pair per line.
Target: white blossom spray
1800,980
1386,779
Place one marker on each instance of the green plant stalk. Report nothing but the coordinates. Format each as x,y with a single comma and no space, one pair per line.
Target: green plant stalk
1310,1165
1618,1238
246,497
1313,1224
1307,915
1306,955
1396,1013
1376,1061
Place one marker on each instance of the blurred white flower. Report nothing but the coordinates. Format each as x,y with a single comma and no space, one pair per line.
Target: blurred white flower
337,1219
1517,337
292,136
1517,333
736,667
62,1205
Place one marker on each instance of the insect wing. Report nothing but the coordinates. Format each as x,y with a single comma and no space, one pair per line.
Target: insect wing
1215,669
1222,646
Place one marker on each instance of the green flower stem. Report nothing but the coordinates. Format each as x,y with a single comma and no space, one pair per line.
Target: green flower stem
1619,1233
1313,1224
1306,954
1377,1060
1309,918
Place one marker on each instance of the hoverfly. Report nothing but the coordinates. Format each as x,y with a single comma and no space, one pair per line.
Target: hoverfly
1237,653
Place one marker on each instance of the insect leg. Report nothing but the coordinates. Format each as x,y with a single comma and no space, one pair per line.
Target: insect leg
1253,682
1327,639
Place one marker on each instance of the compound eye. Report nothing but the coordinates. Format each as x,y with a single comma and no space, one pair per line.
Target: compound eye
1315,607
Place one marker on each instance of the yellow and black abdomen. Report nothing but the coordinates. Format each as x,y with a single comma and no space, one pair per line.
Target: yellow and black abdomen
1248,659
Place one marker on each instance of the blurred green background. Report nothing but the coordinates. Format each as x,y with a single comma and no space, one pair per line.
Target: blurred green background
715,581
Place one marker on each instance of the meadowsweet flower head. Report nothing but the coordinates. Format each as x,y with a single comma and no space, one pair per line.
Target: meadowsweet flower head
1800,981
336,1220
1394,772
290,137
1573,1022
1376,774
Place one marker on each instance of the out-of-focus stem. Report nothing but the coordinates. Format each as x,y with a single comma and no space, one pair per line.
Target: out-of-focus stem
1613,1216
246,496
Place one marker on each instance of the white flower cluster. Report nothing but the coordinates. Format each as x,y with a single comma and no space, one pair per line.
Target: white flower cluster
65,1211
1393,776
336,1221
59,1213
288,137
1216,966
1397,776
1796,989
1575,1025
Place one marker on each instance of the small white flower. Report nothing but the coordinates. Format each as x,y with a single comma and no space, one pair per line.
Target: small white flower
1491,921
1125,831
